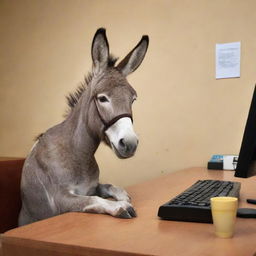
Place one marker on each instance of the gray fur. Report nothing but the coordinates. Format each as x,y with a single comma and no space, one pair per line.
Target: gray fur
61,174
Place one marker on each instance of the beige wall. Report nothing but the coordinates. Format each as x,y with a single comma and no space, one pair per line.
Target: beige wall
183,114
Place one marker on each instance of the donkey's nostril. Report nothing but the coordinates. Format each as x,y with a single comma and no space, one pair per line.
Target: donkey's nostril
122,143
127,147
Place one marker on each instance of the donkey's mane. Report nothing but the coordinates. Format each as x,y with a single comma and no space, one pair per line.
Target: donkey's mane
74,97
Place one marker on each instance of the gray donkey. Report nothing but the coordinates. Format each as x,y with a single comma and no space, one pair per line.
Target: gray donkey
61,174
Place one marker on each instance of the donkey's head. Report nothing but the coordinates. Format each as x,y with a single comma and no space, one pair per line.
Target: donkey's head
112,96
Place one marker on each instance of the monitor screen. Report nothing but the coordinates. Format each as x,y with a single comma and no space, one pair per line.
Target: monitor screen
246,166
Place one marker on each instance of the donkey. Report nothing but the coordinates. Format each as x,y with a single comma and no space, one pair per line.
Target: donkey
60,173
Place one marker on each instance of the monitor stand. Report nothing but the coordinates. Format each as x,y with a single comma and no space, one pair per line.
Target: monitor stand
247,212
251,201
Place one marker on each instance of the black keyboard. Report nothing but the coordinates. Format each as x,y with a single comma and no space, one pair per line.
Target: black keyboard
194,203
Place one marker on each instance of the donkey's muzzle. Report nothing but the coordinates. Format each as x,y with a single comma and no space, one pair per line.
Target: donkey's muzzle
122,137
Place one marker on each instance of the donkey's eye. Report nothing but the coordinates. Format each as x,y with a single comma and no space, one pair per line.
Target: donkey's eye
103,99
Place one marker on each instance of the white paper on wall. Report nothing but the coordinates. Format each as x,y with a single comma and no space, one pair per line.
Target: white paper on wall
228,60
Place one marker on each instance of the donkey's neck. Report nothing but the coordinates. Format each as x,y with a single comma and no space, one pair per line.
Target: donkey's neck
82,141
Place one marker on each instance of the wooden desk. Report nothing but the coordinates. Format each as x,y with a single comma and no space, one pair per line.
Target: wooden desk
93,234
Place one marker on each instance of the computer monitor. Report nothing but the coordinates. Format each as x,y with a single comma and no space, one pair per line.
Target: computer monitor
246,166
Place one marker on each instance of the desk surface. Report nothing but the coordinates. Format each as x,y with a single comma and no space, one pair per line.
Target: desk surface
96,234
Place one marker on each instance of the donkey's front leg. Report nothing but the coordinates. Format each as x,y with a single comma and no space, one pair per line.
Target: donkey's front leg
108,190
68,201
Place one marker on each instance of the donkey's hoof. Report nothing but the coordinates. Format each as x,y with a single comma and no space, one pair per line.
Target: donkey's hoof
126,213
132,212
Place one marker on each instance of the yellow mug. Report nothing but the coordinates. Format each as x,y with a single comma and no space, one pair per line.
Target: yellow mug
224,211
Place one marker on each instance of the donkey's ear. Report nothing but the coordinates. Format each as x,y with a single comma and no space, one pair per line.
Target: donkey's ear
100,50
132,61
